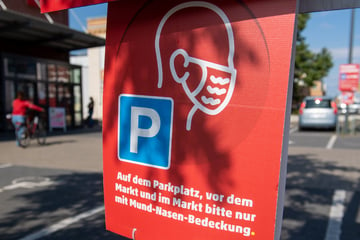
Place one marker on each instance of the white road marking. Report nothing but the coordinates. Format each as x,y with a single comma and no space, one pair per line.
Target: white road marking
28,182
333,230
5,165
331,142
292,130
62,224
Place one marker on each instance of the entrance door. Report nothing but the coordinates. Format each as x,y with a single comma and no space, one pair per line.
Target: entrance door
65,100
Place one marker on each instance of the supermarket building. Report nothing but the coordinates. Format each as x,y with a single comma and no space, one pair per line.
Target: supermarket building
34,58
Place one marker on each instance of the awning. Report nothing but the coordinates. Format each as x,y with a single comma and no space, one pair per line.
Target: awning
32,31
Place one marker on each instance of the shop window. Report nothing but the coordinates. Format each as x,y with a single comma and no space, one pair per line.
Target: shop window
63,74
20,68
41,93
25,69
46,83
9,67
64,101
76,75
9,96
51,72
78,119
65,97
52,95
41,71
77,106
60,96
77,99
28,89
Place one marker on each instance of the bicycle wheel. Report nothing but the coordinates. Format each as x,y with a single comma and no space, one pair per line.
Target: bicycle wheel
41,133
24,138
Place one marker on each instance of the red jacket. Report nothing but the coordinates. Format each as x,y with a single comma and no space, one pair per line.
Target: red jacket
20,106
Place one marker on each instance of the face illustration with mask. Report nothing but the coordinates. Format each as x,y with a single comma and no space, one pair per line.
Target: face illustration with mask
213,88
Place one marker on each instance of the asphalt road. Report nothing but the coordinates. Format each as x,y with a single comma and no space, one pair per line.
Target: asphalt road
53,191
323,186
49,193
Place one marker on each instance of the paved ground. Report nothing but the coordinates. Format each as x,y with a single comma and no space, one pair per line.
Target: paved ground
73,162
323,186
80,151
54,189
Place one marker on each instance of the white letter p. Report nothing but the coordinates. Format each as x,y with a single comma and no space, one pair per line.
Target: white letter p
136,132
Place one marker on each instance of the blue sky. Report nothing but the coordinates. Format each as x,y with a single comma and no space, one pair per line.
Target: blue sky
83,13
332,30
324,29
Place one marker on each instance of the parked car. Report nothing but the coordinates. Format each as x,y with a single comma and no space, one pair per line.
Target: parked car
353,108
318,112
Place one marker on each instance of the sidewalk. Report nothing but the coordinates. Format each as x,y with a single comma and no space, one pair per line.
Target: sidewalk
79,150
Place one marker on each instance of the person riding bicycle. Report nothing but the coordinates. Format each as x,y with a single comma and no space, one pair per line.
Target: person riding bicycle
18,116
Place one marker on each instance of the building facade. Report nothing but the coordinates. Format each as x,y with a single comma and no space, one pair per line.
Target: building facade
97,27
92,63
34,58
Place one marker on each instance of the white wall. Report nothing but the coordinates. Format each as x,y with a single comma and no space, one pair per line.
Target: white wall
96,81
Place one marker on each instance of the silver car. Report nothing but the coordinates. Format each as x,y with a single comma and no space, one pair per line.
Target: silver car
318,112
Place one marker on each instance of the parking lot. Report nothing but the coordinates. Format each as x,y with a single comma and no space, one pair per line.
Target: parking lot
322,193
55,191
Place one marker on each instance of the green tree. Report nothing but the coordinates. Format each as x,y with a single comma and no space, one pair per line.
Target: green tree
309,66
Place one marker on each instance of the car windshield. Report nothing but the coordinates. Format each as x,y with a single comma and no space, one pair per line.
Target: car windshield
318,103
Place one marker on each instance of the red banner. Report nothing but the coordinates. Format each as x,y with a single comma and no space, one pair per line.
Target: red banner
56,5
32,3
195,98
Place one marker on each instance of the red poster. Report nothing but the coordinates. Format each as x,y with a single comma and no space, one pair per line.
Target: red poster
349,77
195,98
55,5
347,97
32,3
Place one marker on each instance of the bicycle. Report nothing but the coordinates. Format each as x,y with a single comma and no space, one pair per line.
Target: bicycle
32,128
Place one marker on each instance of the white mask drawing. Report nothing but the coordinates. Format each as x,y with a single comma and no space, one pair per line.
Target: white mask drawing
213,92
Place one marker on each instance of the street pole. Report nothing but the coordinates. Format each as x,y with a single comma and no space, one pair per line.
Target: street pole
352,20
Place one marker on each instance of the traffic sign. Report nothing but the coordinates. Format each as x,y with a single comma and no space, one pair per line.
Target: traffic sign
145,125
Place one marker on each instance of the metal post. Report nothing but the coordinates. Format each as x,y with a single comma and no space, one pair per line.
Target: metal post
352,20
352,125
346,120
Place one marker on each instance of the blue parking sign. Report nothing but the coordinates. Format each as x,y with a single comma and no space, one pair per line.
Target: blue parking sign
145,130
343,76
